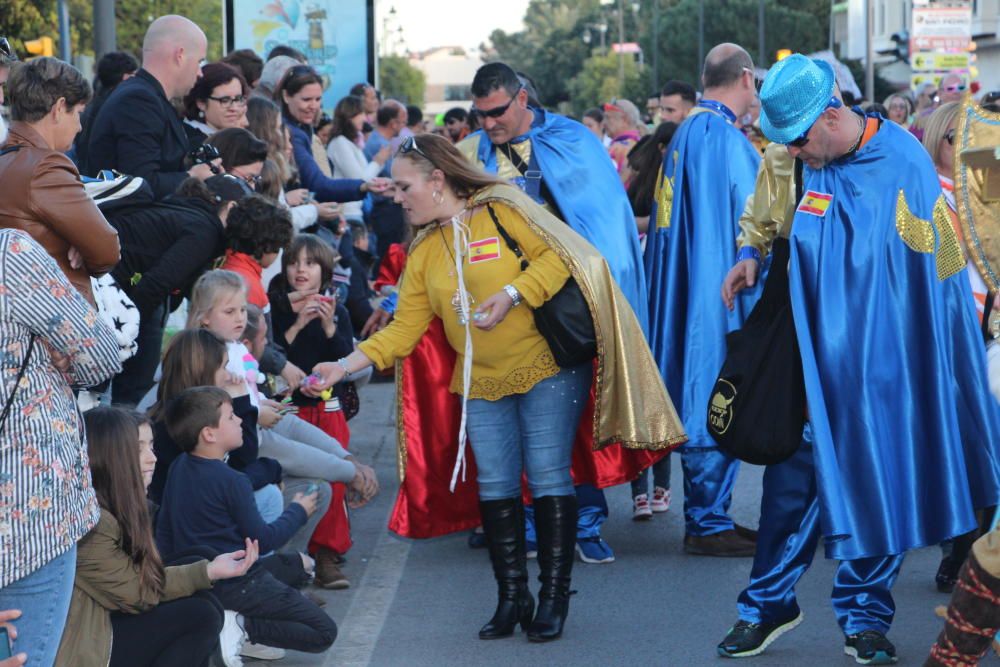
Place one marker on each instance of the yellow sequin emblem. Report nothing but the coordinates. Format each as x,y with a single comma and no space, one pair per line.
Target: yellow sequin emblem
664,196
950,257
917,234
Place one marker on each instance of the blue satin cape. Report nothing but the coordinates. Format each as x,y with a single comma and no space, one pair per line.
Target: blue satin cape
590,195
904,425
711,168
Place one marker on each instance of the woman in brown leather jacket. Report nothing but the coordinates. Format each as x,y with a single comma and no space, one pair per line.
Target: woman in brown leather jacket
43,194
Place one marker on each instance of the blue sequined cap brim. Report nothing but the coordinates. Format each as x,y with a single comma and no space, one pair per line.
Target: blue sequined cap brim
795,93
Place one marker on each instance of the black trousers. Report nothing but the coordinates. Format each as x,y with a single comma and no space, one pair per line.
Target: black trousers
136,378
275,614
179,633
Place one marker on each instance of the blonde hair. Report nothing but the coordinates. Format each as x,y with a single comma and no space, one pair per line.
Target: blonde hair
937,126
206,293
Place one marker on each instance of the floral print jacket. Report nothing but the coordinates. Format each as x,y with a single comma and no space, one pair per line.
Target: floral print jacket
47,502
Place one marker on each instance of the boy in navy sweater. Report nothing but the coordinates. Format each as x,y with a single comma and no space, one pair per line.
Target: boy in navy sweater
206,503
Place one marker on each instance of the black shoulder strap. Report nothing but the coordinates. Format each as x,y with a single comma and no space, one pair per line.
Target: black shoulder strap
522,167
17,382
10,149
798,181
511,243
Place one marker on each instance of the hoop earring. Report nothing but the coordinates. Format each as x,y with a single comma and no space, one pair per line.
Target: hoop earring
437,197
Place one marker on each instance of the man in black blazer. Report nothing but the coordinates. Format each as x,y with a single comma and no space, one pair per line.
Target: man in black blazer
137,131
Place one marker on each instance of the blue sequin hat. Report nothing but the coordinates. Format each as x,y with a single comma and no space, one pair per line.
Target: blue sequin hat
795,92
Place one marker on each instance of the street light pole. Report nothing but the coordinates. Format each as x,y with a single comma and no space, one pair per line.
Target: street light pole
701,32
656,44
65,48
761,46
621,47
105,40
870,50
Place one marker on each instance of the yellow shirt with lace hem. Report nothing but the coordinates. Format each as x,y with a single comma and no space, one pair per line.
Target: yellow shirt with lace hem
513,357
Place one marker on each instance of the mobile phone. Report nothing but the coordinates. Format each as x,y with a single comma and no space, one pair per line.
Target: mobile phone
6,650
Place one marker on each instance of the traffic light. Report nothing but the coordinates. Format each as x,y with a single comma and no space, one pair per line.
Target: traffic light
902,48
43,46
782,54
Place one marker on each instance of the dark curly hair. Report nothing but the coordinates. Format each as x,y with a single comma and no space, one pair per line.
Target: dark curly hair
258,225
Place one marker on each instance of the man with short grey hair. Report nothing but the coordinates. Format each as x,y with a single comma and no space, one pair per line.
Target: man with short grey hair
387,216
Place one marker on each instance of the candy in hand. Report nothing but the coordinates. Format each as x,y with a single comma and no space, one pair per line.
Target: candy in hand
312,380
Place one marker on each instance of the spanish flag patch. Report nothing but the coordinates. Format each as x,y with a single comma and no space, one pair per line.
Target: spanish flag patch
485,250
815,203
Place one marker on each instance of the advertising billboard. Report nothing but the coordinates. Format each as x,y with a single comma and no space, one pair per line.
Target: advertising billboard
337,36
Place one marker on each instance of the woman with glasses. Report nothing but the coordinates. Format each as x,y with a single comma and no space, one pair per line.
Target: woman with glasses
300,95
242,155
216,102
466,313
939,141
899,108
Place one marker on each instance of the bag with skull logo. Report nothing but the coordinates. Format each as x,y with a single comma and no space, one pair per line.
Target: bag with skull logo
758,406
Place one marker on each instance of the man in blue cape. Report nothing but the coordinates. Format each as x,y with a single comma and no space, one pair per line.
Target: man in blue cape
899,451
708,172
563,166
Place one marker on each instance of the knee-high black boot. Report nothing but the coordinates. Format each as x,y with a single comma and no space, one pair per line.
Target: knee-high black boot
555,523
503,525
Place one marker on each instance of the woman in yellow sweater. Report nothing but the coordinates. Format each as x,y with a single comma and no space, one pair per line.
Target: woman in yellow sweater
522,410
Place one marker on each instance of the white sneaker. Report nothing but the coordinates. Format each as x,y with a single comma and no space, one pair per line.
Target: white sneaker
640,508
262,652
661,499
231,639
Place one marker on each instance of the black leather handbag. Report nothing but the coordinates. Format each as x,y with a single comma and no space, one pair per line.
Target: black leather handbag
564,320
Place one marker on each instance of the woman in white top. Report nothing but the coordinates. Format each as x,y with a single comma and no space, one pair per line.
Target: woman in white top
348,159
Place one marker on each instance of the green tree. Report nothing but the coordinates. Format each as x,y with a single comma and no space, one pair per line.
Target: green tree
550,49
22,20
597,82
401,80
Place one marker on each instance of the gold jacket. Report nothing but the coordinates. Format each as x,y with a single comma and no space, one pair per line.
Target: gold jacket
632,406
769,210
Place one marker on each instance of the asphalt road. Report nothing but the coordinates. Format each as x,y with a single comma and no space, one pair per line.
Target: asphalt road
421,603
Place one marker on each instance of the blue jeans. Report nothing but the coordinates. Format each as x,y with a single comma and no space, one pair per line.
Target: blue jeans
43,598
533,432
661,477
270,502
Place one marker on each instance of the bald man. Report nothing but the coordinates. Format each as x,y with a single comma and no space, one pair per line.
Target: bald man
137,131
708,172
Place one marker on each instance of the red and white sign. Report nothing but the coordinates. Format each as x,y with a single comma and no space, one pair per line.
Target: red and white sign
937,27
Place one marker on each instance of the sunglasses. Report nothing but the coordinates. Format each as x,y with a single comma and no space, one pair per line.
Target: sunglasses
803,139
496,112
955,89
409,145
228,102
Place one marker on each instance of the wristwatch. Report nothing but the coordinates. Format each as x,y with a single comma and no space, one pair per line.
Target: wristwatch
514,295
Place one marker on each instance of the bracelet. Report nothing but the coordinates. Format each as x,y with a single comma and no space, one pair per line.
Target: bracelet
514,295
748,252
342,362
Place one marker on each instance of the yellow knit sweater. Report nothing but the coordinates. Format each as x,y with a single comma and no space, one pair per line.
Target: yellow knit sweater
511,358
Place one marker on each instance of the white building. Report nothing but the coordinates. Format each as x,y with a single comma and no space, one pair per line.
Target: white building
448,71
893,16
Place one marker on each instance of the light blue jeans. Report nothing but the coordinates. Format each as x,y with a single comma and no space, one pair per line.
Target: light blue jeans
530,432
270,502
43,598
